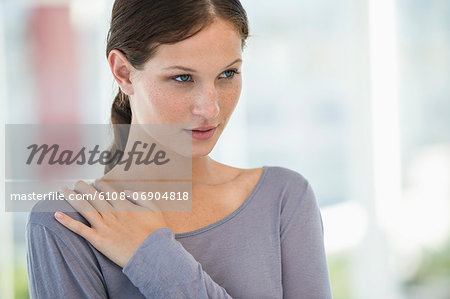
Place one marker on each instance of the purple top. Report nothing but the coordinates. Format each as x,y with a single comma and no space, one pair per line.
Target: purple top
270,247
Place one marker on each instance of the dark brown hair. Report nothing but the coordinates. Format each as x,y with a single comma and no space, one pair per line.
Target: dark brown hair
138,27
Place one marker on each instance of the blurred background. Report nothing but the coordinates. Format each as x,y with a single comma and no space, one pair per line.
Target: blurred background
352,94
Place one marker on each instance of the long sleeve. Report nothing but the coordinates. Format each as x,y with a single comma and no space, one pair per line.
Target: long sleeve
304,266
162,268
56,270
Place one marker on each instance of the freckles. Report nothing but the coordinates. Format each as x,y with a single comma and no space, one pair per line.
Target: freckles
232,94
170,105
155,96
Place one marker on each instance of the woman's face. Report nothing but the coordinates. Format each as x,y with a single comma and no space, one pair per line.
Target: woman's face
196,82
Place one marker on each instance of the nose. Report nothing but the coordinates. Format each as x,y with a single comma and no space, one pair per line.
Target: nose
206,104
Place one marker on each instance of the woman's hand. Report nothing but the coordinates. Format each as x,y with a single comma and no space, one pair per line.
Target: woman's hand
118,226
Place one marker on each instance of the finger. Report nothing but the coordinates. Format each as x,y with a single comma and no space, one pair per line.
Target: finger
81,206
97,200
131,199
118,203
141,201
76,226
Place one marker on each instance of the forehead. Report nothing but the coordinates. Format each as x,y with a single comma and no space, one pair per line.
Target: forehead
217,44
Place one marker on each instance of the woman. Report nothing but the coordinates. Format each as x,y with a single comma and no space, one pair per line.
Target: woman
252,233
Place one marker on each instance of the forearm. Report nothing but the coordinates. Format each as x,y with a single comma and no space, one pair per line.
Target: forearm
162,268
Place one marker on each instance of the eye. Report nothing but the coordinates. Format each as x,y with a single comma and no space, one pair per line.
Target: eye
184,78
230,73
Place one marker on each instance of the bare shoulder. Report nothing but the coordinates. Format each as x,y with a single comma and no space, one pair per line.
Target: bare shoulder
247,177
253,173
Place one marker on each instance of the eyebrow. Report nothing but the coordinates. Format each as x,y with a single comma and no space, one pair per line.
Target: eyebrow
191,70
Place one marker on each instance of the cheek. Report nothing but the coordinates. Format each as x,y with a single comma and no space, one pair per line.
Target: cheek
230,95
166,103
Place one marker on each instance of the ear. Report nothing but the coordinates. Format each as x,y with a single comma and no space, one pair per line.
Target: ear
121,70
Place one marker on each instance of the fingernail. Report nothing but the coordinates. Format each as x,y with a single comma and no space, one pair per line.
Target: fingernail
128,193
59,215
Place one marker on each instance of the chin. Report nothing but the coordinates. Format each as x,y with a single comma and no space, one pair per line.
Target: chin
200,153
201,150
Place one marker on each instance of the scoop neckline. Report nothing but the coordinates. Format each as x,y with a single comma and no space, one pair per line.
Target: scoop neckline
234,213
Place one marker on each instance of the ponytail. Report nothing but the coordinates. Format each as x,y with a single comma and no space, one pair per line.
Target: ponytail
120,115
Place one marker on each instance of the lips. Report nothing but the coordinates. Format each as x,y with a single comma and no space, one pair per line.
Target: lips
204,128
202,133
